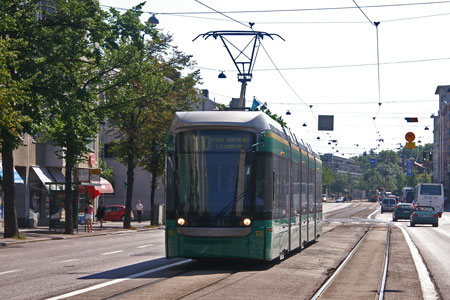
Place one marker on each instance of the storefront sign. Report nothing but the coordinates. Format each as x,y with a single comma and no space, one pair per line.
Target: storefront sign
94,174
91,160
83,175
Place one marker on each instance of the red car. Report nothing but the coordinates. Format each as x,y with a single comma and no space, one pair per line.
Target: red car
116,213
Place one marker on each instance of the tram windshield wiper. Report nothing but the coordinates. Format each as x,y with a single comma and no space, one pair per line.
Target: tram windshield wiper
227,207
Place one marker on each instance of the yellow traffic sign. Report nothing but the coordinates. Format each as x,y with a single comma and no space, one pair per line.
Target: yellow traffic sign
410,145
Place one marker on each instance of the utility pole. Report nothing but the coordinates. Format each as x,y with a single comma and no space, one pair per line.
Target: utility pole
244,62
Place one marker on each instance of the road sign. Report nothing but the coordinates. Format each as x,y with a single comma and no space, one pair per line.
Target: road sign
409,167
410,136
410,145
373,161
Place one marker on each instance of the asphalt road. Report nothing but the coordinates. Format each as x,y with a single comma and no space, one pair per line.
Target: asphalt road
109,263
42,269
434,247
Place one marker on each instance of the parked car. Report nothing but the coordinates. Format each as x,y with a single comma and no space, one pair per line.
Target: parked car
340,199
402,211
424,215
116,213
324,197
388,204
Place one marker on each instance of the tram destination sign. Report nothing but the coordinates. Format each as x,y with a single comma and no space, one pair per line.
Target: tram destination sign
225,143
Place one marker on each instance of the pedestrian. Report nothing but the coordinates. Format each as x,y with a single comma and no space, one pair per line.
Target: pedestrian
100,213
88,215
139,209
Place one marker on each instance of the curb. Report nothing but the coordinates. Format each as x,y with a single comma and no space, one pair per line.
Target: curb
66,237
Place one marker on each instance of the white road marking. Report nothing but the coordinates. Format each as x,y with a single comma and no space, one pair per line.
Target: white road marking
108,283
370,216
11,271
144,246
113,252
68,260
428,289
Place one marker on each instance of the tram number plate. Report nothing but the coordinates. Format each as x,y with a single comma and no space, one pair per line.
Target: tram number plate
259,233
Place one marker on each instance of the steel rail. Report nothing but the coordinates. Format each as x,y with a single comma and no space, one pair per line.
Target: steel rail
386,262
341,266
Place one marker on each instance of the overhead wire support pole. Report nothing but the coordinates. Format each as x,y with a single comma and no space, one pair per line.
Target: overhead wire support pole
244,68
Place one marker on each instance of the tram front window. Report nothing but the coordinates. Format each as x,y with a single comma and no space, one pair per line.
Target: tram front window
214,177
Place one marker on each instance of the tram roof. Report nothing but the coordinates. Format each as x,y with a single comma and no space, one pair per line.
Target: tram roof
253,120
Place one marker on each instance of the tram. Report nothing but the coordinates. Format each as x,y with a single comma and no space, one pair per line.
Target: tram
239,185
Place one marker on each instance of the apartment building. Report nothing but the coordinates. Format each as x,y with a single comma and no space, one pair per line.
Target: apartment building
441,137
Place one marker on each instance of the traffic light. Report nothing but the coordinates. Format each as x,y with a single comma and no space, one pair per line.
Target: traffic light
125,184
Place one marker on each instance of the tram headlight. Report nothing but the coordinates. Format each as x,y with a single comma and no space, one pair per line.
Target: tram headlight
181,221
247,222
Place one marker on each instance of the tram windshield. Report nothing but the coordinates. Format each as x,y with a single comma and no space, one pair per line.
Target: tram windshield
214,177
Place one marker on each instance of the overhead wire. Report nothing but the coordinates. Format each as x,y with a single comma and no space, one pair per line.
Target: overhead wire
279,69
270,58
222,14
378,69
293,9
184,15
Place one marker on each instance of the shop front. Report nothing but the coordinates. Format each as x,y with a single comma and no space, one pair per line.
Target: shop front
17,179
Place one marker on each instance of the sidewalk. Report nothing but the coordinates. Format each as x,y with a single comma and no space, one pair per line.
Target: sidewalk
41,233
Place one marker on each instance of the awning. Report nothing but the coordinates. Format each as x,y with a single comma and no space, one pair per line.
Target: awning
44,176
17,178
57,174
105,187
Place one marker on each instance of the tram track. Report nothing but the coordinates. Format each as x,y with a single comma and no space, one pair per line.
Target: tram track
378,273
206,277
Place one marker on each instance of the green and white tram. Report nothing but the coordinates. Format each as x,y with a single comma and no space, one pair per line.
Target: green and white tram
239,185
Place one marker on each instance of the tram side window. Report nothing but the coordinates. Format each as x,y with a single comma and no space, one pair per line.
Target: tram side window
319,190
263,183
295,189
170,185
281,187
304,191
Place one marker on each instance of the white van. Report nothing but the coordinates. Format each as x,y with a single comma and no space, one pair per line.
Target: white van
430,194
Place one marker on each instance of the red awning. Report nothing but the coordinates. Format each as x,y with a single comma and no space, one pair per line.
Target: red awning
105,187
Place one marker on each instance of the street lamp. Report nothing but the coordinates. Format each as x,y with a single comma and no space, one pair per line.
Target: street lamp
153,20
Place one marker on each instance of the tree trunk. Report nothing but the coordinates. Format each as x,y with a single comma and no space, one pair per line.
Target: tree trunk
10,216
129,191
153,207
68,200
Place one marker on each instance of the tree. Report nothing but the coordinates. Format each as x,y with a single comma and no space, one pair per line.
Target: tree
141,109
74,34
19,105
327,178
181,97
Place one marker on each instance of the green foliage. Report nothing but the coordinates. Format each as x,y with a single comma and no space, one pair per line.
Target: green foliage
144,92
275,117
389,171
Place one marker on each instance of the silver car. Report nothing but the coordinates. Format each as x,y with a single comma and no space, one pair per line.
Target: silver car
388,204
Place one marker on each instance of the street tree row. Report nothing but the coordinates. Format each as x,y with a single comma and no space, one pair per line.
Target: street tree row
68,66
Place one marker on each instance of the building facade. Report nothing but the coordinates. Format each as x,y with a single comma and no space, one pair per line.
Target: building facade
341,165
441,137
40,181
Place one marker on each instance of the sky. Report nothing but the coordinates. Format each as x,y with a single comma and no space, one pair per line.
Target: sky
330,61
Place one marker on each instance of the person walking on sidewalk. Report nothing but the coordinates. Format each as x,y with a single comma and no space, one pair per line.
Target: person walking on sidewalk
101,213
88,215
139,209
